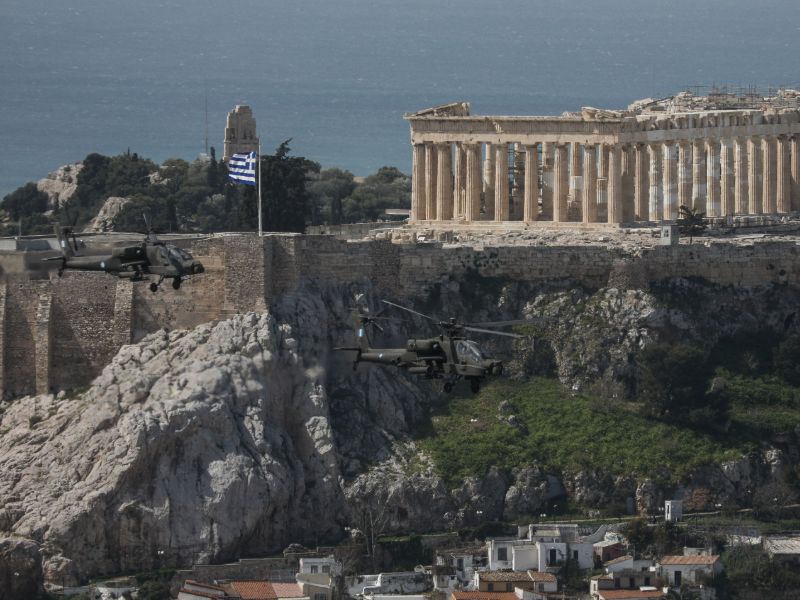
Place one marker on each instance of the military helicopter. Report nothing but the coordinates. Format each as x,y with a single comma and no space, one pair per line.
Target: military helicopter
134,262
450,355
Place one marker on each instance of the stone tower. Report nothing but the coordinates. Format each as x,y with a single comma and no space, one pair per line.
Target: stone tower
240,132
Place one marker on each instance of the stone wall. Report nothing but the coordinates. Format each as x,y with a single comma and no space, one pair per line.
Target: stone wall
59,333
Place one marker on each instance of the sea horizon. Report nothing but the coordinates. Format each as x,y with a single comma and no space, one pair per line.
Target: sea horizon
337,78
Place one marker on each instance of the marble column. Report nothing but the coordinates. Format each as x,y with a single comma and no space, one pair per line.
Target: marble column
698,175
614,184
430,181
754,175
560,184
518,203
548,162
782,186
641,193
458,182
418,182
488,182
726,203
501,182
589,184
472,207
768,170
602,182
669,187
627,160
531,200
712,178
574,169
740,202
654,208
444,183
794,163
684,174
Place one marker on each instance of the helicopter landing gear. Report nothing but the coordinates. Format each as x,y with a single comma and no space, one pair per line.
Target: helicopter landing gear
475,385
176,283
154,286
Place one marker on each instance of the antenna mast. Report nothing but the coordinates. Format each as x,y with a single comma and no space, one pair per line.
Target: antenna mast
206,111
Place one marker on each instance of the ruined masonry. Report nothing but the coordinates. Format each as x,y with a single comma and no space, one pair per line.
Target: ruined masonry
724,155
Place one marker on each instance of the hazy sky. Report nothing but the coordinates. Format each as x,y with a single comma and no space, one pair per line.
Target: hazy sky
78,76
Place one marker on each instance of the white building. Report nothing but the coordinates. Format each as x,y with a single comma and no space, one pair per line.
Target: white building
677,570
327,564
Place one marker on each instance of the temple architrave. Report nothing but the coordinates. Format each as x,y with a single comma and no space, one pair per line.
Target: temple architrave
240,132
723,155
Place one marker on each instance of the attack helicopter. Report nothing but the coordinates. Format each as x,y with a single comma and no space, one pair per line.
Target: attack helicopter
449,356
134,261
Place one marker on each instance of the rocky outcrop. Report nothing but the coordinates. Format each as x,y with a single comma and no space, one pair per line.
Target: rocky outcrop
201,444
104,219
61,184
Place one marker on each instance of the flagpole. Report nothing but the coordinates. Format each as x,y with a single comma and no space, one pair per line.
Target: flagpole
258,162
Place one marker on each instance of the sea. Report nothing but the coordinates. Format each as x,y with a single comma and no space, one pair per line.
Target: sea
158,77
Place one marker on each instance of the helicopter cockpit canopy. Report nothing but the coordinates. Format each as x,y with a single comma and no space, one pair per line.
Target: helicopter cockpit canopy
469,352
179,253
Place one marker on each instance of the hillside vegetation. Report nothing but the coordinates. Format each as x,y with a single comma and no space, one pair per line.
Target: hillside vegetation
198,197
512,424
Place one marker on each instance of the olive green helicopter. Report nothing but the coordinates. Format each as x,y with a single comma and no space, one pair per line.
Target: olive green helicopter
450,356
135,261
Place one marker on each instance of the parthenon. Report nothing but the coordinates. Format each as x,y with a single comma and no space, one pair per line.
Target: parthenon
723,155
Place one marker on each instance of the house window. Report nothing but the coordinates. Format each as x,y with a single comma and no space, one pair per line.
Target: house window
677,578
502,554
320,597
491,587
647,580
575,555
617,583
552,560
509,587
326,568
460,564
314,568
631,582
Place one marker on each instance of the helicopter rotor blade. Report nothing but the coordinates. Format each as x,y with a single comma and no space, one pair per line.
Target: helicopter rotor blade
408,310
502,323
489,331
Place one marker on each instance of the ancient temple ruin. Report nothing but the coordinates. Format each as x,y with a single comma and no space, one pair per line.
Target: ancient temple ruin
725,155
240,132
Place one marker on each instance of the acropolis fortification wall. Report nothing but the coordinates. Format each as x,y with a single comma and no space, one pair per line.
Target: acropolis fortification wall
59,333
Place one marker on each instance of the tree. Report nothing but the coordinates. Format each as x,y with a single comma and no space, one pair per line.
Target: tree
286,200
387,188
327,191
691,221
675,380
25,201
787,359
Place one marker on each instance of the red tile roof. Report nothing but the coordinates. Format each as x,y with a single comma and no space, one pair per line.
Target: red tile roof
704,559
541,576
484,596
287,590
629,594
509,576
254,590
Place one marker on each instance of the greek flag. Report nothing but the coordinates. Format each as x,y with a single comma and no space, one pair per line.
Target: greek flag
242,168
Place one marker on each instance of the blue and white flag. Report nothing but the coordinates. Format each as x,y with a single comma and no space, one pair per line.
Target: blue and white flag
242,168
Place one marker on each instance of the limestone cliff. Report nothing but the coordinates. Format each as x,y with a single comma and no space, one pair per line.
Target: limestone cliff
242,436
61,184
